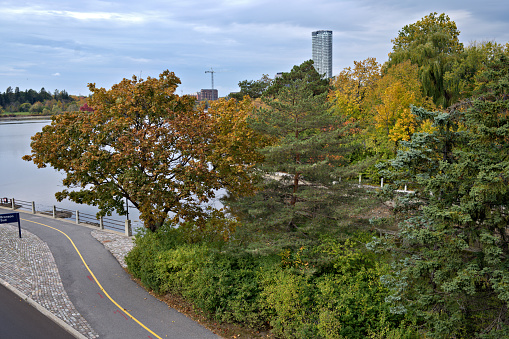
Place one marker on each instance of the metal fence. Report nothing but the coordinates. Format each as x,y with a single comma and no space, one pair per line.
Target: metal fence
77,216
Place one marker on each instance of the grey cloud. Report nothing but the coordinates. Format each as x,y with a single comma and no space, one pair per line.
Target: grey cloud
104,41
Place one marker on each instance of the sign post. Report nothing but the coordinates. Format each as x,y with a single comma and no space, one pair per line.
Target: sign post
11,217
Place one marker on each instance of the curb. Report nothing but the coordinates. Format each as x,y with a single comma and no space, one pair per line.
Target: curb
44,311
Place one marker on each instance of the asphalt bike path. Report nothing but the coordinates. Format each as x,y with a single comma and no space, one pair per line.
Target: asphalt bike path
121,308
18,319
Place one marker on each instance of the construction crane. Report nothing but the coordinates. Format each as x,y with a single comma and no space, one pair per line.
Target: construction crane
211,76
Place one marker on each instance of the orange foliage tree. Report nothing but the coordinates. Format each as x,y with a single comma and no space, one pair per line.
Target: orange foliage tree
147,144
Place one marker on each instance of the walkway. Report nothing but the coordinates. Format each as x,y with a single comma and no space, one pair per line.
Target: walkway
66,271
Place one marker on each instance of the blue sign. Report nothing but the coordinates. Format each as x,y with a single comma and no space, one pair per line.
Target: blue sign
11,217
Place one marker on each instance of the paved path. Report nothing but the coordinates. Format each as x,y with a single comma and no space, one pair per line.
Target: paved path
18,319
120,309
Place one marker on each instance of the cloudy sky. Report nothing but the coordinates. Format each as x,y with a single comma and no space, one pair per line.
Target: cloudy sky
67,44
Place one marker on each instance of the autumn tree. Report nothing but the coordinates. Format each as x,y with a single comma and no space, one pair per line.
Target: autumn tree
352,90
235,148
147,144
394,93
86,108
380,103
352,98
432,44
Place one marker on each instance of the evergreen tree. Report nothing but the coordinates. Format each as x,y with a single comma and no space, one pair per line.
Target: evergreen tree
251,88
451,271
461,77
301,164
305,72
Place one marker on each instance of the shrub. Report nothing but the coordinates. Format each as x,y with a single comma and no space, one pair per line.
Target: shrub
343,298
287,297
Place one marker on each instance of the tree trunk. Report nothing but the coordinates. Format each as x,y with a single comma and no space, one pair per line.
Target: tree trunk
295,187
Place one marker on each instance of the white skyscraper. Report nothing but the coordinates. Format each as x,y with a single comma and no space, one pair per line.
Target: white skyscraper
322,52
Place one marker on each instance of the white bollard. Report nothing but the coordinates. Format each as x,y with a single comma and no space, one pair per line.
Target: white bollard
128,231
382,183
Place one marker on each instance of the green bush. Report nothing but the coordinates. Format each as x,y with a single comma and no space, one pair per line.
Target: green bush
287,297
342,299
223,284
350,301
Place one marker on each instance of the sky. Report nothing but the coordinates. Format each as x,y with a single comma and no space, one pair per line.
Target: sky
65,45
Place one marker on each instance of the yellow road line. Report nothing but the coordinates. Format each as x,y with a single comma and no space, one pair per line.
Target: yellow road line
96,281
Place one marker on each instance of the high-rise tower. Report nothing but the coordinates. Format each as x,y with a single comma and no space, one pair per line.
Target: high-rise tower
322,52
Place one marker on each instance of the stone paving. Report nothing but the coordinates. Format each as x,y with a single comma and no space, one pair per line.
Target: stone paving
28,265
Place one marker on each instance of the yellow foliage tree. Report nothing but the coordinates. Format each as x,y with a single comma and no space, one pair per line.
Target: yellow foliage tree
352,89
395,92
235,148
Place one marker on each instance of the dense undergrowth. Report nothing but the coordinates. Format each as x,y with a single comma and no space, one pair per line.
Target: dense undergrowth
329,288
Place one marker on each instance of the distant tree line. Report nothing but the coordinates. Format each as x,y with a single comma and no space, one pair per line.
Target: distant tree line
31,96
42,102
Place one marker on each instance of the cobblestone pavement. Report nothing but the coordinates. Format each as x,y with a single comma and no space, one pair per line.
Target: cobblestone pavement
28,265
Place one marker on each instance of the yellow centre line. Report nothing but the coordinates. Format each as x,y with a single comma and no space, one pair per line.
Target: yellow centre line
96,281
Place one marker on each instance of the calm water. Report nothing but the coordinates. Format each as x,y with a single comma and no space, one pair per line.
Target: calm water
22,180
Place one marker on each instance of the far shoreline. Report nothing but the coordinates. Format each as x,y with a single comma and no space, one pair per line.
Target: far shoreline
25,117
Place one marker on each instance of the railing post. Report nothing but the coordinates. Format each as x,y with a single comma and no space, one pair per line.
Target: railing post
77,217
33,207
128,231
13,204
54,211
360,179
101,223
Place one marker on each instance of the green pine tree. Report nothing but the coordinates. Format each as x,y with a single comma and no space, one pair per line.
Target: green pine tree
311,145
451,257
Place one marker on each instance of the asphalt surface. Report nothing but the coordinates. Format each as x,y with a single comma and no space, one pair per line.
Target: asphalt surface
107,318
18,319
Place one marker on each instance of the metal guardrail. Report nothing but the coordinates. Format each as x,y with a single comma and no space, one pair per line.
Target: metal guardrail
79,217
